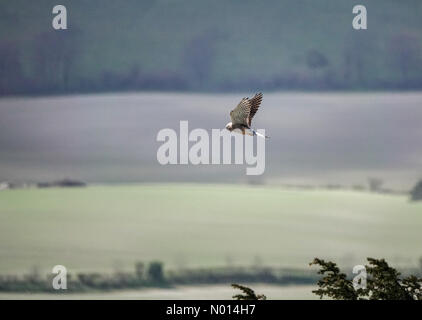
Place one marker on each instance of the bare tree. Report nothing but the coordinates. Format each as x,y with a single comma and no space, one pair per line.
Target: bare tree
405,53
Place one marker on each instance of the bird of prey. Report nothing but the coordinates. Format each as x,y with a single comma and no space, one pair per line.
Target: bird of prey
242,116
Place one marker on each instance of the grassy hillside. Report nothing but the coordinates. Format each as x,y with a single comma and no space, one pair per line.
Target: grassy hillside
101,228
209,45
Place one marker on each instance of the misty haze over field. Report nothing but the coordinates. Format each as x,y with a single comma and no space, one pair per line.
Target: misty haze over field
316,138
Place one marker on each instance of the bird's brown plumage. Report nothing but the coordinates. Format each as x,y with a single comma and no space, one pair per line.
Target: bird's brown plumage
246,109
255,104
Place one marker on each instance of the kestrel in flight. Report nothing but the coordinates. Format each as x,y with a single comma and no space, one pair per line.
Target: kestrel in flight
242,116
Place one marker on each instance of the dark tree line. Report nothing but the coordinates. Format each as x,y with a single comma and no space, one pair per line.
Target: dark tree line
51,62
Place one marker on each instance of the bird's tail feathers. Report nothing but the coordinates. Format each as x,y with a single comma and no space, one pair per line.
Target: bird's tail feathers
255,133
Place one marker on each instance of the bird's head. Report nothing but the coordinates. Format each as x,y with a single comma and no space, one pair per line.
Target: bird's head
229,126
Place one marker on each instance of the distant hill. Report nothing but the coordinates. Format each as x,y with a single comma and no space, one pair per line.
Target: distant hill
209,45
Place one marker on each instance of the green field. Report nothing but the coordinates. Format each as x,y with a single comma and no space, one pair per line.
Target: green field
104,228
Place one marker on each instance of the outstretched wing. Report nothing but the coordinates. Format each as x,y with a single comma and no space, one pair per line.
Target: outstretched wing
240,114
255,102
245,110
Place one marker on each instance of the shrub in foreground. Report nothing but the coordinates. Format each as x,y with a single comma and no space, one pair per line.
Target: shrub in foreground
383,283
